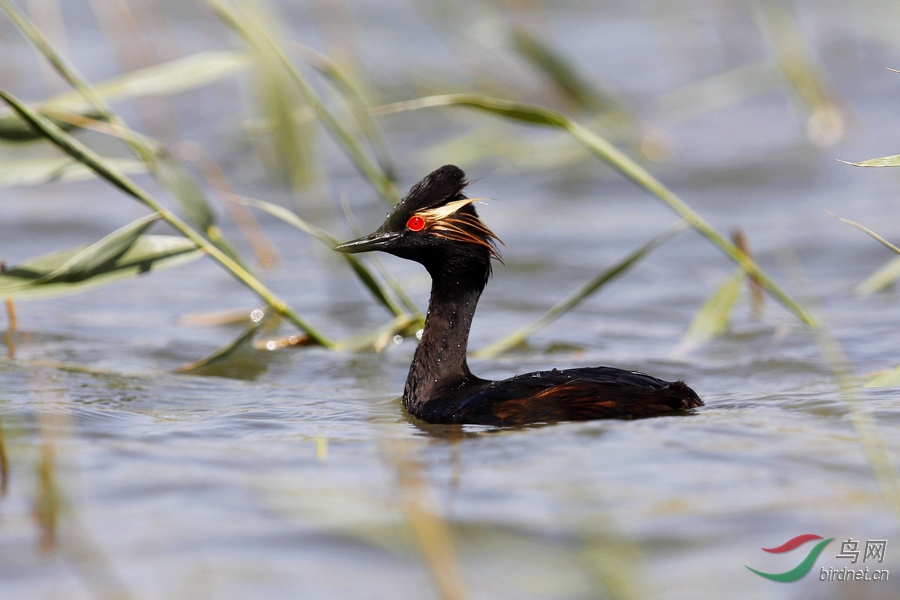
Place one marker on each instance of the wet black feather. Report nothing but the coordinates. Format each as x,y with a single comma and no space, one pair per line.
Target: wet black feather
439,187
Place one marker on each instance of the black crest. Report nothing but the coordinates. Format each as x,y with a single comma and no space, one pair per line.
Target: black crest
436,189
433,213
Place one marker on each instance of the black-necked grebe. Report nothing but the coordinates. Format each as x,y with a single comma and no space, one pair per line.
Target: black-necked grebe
437,226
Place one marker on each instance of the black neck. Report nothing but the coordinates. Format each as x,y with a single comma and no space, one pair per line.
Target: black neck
439,365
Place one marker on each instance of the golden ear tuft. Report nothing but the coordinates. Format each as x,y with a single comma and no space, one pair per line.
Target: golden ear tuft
447,222
440,213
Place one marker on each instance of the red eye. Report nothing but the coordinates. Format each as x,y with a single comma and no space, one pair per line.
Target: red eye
415,223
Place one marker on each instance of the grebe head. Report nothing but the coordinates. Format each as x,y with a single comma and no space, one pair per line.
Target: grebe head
435,224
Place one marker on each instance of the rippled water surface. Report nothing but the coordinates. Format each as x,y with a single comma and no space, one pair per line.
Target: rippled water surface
297,475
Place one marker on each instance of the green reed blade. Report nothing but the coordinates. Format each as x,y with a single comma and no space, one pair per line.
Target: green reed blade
14,129
615,158
82,153
54,274
586,290
884,276
889,378
102,253
867,231
241,342
880,280
354,98
177,75
258,37
826,120
171,77
365,276
80,264
34,171
884,161
291,130
379,338
713,318
563,74
190,199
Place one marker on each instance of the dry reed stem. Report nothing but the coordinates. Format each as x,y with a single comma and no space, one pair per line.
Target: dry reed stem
4,464
13,325
757,293
11,315
47,502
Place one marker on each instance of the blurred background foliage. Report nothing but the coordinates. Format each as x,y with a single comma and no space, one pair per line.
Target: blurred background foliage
221,117
302,103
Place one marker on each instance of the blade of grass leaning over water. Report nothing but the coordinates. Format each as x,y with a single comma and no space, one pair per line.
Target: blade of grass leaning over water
365,276
354,98
291,124
884,276
615,158
375,260
576,297
564,75
14,129
880,280
169,173
884,161
100,254
867,231
239,214
259,320
378,340
191,199
890,378
171,77
877,281
243,24
35,171
826,119
65,272
82,153
714,316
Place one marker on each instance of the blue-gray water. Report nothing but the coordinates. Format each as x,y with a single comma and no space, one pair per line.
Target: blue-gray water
298,483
